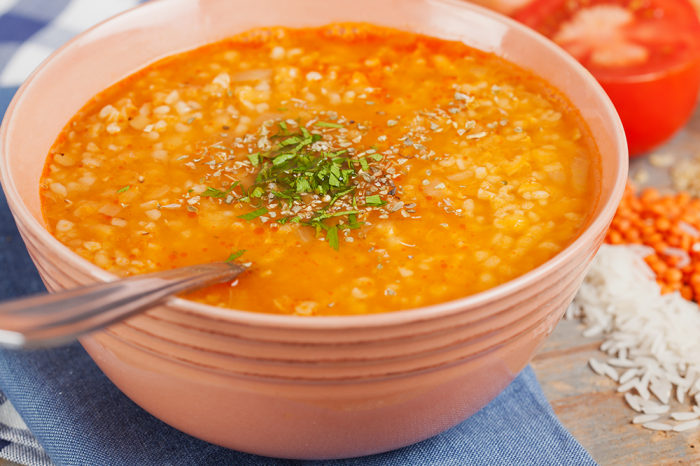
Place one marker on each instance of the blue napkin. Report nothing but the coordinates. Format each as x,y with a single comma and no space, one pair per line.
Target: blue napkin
57,407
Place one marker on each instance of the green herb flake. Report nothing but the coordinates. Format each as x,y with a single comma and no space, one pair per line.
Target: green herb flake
332,236
254,214
303,185
374,201
349,213
280,159
123,190
283,109
257,192
324,124
236,255
212,192
217,193
254,158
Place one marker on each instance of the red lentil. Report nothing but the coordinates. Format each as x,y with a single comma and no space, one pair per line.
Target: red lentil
662,222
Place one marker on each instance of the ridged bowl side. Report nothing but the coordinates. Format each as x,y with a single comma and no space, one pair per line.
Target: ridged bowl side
354,353
311,420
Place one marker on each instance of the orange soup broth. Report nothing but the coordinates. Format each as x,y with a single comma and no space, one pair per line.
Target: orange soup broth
474,171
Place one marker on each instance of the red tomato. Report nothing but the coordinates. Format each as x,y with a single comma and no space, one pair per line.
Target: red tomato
645,54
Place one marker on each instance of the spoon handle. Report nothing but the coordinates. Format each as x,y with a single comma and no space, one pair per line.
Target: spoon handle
52,319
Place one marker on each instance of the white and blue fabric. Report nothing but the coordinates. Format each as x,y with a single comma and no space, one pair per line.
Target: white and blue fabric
58,408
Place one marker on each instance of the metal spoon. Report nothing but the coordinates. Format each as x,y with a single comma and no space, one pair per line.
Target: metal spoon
53,319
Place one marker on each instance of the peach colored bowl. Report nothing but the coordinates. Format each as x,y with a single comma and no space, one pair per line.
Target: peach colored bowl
303,388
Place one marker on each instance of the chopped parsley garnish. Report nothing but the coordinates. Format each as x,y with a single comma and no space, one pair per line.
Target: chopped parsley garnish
254,214
123,190
298,167
235,255
310,183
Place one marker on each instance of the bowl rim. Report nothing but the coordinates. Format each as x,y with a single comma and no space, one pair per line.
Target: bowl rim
386,319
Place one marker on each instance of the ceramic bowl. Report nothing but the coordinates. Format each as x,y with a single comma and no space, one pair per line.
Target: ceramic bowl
306,388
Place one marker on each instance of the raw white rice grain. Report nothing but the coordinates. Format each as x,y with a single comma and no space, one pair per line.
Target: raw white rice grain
684,416
616,362
642,390
680,394
632,400
628,385
687,426
645,418
657,426
612,373
628,375
662,389
597,366
656,409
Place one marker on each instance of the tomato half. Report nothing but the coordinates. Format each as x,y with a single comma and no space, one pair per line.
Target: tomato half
645,54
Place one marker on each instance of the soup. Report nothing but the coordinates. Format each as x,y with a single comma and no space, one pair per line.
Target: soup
355,169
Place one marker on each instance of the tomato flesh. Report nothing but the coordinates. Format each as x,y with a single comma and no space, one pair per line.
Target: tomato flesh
644,53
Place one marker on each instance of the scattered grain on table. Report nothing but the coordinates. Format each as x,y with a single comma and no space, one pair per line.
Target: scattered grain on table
651,339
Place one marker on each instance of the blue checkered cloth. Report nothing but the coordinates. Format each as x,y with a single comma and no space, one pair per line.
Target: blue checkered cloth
64,410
